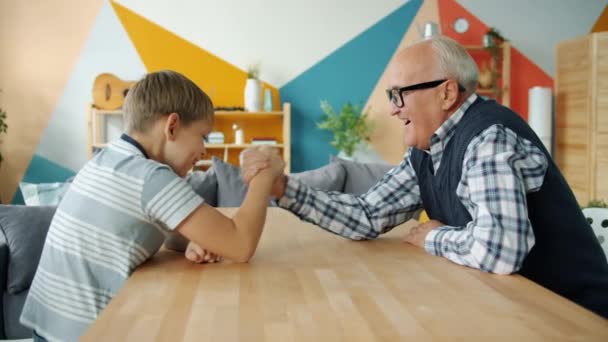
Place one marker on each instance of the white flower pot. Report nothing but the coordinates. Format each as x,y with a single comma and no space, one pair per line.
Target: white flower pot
253,95
598,217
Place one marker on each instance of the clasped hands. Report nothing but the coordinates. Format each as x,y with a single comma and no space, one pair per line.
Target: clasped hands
253,160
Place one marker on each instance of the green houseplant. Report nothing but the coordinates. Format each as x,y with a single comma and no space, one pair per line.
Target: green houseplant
253,72
597,204
350,126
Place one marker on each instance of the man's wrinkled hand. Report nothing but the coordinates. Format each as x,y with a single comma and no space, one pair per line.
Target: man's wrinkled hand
197,254
417,235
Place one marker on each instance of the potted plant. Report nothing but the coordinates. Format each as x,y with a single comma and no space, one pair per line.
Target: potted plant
253,89
596,213
350,127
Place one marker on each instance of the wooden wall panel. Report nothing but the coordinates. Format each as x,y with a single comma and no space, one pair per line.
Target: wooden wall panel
40,43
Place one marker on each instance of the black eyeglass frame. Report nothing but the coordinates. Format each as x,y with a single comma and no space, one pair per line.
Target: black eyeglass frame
418,86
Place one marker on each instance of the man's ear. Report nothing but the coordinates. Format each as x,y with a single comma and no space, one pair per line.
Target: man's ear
449,94
171,126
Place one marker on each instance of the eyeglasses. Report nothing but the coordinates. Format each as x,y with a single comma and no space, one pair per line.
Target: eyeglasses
395,95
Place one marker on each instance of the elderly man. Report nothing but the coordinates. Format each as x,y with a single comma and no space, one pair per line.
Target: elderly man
496,200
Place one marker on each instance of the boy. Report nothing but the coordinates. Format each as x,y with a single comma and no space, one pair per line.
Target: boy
126,199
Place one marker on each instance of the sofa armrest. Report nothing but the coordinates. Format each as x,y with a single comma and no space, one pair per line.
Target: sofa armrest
3,275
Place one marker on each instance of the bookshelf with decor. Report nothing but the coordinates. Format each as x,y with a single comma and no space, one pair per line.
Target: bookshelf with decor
268,128
499,69
103,125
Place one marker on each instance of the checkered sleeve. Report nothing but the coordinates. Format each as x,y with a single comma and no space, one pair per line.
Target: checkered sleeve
395,199
499,169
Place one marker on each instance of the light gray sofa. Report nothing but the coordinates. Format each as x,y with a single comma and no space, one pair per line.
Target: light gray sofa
23,229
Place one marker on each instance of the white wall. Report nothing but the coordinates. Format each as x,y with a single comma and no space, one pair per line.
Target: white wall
286,36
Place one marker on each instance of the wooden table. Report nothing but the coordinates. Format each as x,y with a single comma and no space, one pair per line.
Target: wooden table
305,284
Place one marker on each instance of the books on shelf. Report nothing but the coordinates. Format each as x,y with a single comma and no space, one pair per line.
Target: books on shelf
215,138
263,141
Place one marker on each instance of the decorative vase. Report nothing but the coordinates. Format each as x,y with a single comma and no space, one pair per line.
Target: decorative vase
485,76
267,100
253,95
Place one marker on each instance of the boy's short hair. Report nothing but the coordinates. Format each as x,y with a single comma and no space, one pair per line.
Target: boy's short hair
161,93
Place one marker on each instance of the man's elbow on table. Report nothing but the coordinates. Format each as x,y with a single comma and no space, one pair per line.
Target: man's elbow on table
498,266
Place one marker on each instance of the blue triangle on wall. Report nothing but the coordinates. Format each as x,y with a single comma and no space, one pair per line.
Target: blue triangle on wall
349,74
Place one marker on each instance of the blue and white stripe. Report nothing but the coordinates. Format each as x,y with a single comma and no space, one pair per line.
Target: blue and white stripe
113,218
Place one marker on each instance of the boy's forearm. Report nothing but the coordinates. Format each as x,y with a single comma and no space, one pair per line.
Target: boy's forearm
251,216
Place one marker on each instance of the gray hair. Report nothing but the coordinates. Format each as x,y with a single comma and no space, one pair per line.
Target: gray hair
164,92
455,62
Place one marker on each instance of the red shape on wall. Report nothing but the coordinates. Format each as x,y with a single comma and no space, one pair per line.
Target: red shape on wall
525,74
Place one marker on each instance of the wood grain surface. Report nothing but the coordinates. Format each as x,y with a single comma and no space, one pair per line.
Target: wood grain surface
305,284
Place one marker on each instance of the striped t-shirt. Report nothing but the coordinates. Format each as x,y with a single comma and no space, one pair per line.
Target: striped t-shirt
114,217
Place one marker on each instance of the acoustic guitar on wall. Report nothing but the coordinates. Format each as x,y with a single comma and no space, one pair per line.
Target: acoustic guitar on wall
109,91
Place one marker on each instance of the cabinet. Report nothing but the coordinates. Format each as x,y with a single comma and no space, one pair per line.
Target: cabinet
106,125
481,55
581,115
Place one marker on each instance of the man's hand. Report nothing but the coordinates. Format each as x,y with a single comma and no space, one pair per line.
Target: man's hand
198,255
417,235
255,159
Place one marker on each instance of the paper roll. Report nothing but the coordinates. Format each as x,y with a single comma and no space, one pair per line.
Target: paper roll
540,114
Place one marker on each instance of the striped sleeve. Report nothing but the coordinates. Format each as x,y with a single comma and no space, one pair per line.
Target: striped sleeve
167,198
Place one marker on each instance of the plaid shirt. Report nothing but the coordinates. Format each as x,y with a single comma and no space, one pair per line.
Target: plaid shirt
498,170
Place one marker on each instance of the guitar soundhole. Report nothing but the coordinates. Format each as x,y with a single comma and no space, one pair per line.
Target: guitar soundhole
108,92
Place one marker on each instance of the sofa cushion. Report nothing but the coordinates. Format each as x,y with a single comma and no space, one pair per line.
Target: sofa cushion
330,177
25,230
360,177
204,184
231,189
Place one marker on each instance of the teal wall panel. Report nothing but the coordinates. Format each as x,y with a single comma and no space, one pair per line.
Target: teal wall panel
348,74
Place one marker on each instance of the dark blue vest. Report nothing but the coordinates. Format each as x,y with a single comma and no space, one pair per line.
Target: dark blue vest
566,258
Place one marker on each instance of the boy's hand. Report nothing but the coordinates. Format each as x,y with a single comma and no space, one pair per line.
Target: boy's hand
198,255
256,159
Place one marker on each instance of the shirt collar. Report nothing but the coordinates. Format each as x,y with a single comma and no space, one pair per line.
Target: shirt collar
134,143
446,130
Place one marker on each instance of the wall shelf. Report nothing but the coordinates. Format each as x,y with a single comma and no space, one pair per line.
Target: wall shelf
275,125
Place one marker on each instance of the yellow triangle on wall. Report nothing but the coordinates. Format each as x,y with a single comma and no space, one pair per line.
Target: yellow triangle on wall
160,49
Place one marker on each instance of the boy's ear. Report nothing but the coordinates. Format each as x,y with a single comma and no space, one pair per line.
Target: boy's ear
172,125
